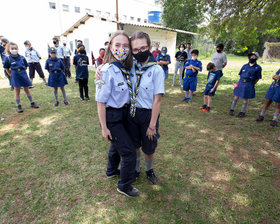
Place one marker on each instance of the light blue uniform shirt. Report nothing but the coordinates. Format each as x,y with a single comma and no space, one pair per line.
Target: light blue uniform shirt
32,55
152,83
66,51
112,88
60,51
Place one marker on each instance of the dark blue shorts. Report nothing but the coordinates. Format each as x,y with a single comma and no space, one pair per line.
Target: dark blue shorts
208,89
137,128
273,93
190,83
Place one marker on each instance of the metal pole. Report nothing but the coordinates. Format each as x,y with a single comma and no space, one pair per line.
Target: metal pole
117,14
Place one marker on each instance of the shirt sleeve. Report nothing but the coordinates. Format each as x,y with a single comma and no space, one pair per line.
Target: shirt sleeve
47,65
7,63
103,87
278,72
157,59
225,58
75,60
61,65
87,60
25,62
159,78
177,54
38,54
241,70
200,65
187,64
259,73
218,74
168,59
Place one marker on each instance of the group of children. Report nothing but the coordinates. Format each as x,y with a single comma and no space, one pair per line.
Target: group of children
15,66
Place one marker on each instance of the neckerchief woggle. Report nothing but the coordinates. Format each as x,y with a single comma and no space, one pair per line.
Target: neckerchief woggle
139,72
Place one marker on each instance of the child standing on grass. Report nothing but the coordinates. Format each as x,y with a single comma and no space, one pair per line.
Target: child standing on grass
81,63
213,79
272,94
15,66
57,78
181,57
164,60
250,74
192,67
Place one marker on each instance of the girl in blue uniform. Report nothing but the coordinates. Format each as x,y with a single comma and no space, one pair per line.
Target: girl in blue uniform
15,66
250,74
112,96
146,90
57,78
273,94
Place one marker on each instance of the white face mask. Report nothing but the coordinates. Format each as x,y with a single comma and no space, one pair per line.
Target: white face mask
14,52
194,58
181,49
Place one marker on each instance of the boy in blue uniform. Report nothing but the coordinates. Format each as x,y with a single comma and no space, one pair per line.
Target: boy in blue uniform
192,67
57,78
164,60
181,57
15,66
213,79
250,74
33,59
273,94
81,63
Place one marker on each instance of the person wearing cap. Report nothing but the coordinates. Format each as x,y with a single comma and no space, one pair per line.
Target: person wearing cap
33,59
272,95
181,57
3,54
219,58
57,78
66,60
164,60
249,74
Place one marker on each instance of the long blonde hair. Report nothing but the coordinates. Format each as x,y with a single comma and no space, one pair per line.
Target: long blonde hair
109,57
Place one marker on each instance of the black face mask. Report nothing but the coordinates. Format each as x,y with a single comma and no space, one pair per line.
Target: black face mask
82,51
142,56
252,60
219,51
54,42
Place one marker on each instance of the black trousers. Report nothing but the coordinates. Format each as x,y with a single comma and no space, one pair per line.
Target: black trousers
36,66
66,62
83,87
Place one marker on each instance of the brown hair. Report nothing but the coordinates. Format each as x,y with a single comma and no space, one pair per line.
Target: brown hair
210,66
109,57
141,35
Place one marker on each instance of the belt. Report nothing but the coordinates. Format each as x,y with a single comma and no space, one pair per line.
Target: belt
18,69
122,108
247,80
56,71
33,62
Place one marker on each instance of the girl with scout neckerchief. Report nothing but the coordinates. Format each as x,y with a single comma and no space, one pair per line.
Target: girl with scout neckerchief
112,96
147,81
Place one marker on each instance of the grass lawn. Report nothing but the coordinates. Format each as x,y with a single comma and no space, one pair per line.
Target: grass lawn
212,168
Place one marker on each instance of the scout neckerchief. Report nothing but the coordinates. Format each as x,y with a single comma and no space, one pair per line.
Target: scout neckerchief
139,73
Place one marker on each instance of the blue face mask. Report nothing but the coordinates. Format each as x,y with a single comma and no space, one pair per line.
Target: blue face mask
163,54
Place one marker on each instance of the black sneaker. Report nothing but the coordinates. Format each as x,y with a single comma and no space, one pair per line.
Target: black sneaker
34,105
87,99
31,87
82,99
241,114
66,102
134,192
260,118
19,109
117,173
203,107
273,123
151,176
56,103
137,174
231,112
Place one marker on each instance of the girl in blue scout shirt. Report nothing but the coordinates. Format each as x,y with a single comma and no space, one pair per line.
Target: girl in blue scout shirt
192,67
57,78
81,63
33,59
112,96
3,54
146,90
250,74
272,94
164,60
181,57
15,66
213,79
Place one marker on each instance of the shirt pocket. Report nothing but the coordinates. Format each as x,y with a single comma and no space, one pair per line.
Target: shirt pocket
147,90
120,86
